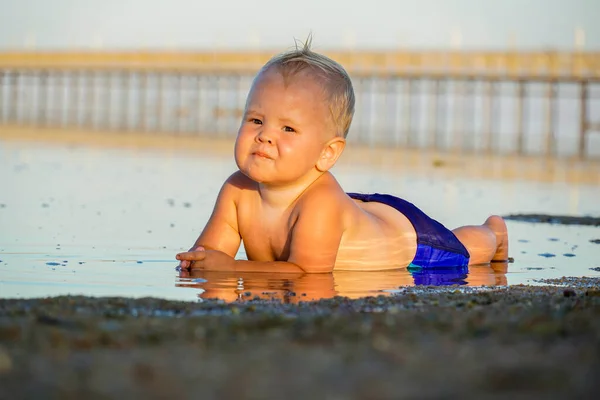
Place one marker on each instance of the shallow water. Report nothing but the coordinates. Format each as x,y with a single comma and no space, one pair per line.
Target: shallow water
104,221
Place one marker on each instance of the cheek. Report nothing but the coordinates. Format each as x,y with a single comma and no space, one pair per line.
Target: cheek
302,150
239,149
244,134
243,141
285,148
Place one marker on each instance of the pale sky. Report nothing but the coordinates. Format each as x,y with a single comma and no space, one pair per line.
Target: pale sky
272,24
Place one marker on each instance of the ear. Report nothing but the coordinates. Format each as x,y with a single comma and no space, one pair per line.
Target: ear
331,152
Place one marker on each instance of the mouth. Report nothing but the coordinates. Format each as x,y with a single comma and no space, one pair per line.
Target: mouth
261,155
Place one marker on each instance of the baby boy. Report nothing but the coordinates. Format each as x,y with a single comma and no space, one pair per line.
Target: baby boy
289,210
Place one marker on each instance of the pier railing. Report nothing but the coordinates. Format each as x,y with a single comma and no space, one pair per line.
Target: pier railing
544,103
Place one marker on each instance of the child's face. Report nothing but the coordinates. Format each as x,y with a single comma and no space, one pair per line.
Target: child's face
284,130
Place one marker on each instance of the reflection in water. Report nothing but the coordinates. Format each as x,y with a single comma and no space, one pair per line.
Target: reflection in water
293,288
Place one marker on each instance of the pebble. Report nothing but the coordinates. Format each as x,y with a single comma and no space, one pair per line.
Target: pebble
547,255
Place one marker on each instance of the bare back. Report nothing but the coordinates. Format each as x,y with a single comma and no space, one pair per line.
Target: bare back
374,236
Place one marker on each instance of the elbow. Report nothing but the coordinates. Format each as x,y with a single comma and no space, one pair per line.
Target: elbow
317,269
313,266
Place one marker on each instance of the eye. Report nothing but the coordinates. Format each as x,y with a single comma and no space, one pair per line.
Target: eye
288,129
256,121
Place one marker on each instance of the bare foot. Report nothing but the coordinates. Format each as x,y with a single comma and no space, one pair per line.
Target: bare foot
498,226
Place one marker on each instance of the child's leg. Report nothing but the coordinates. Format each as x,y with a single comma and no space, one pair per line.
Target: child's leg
487,242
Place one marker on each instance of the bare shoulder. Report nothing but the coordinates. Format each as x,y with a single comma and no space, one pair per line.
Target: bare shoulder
235,185
230,195
326,200
325,193
239,181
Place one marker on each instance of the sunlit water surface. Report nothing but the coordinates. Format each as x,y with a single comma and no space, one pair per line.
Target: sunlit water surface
99,221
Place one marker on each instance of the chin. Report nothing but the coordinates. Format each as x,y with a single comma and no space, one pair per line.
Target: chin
248,167
252,173
255,178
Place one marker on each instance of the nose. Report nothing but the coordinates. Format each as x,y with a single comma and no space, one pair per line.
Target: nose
264,137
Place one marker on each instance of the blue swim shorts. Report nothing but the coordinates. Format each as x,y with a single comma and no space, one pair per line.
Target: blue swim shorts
437,246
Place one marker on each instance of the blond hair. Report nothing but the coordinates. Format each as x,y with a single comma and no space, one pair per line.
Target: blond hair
338,89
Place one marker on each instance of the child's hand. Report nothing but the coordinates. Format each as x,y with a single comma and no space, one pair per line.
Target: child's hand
200,258
186,263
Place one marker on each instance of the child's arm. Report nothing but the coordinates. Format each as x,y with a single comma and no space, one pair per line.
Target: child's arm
318,232
315,241
221,231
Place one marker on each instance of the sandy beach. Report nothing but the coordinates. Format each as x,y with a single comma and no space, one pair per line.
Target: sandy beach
517,342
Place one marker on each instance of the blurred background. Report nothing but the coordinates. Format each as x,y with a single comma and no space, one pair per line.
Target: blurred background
502,77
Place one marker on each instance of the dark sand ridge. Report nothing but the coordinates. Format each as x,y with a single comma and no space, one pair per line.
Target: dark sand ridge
423,343
417,161
555,219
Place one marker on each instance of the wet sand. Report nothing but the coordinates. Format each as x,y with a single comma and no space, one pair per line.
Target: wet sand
520,342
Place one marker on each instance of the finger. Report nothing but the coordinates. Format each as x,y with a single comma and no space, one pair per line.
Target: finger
191,256
184,273
184,264
196,265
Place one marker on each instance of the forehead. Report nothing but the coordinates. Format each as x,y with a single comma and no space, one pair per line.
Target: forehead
299,98
301,85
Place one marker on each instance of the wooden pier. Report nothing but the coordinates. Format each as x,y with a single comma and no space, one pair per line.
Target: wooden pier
544,103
